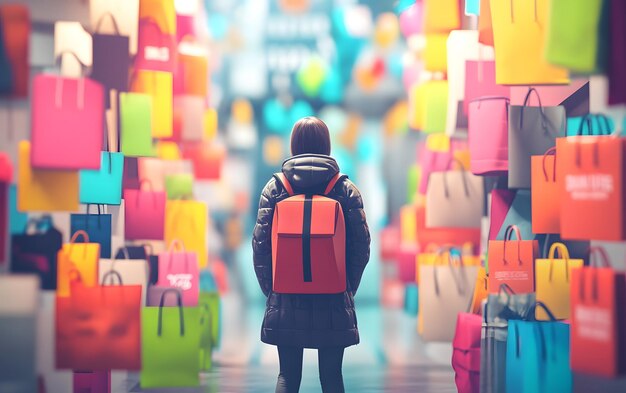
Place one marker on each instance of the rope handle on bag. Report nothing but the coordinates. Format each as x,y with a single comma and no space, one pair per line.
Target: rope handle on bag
113,21
563,253
464,175
550,152
58,91
525,104
181,317
457,280
111,273
593,269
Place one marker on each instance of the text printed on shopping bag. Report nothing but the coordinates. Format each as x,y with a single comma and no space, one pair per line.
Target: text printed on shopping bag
596,187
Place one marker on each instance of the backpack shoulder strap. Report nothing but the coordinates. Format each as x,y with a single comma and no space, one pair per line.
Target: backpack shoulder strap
333,182
282,179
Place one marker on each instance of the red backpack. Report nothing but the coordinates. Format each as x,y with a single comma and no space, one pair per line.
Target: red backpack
308,242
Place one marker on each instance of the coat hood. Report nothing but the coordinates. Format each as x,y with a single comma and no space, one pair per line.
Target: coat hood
310,171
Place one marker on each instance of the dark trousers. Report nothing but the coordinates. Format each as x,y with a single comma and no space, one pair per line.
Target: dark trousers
329,359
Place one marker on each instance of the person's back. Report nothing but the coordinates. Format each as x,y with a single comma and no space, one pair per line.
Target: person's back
326,322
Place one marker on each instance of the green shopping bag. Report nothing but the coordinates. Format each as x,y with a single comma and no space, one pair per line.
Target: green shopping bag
103,186
436,106
209,305
170,341
574,36
136,124
179,186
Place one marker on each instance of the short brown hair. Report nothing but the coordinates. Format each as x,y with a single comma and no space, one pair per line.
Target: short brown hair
310,136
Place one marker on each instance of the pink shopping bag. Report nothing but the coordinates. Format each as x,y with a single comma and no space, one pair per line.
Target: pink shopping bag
157,50
92,381
179,269
488,135
466,353
144,214
480,81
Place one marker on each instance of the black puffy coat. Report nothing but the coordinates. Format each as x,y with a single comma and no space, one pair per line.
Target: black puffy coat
311,321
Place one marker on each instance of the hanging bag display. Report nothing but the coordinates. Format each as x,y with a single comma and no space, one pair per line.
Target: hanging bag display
97,227
132,271
532,131
590,177
187,222
598,296
488,128
170,340
519,43
111,60
156,48
546,210
179,269
66,109
144,215
512,262
80,257
456,237
552,279
103,186
158,85
454,199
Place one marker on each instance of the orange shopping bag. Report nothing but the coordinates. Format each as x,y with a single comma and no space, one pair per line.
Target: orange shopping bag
590,175
544,190
78,257
519,40
512,262
485,30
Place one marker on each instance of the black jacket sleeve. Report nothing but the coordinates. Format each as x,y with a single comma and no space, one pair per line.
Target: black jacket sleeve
357,234
262,237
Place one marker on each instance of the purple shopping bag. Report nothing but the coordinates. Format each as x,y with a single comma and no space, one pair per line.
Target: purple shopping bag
92,381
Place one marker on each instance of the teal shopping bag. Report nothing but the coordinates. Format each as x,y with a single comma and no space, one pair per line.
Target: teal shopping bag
17,219
103,186
590,124
411,300
170,338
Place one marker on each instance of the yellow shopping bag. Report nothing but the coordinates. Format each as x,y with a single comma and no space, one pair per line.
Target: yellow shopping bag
480,290
441,16
168,151
408,224
158,85
161,11
441,256
552,282
187,221
519,39
44,190
77,257
417,110
436,53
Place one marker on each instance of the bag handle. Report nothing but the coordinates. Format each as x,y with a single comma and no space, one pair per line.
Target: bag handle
508,235
77,234
36,222
542,305
602,254
560,250
181,317
151,191
513,13
550,152
525,104
113,21
464,175
58,91
110,274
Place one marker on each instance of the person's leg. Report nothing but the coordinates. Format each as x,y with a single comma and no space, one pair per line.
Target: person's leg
330,361
290,369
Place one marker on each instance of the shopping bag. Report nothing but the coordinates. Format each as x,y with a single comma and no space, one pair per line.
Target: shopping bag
170,341
192,70
15,27
544,191
190,111
590,124
162,12
141,252
158,85
18,332
97,227
485,28
35,251
466,352
481,290
408,224
574,34
411,298
63,110
537,355
617,58
92,381
435,53
454,199
552,278
444,291
519,29
144,214
437,154
179,269
132,271
590,177
155,170
440,255
462,46
480,81
44,190
405,260
187,222
453,236
98,327
126,16
488,128
441,16
512,262
598,342
136,124
179,186
156,48
77,257
209,303
532,131
207,159
103,186
111,59
499,310
389,242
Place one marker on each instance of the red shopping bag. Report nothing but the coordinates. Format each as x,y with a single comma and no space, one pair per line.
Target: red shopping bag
179,269
207,159
456,237
156,49
98,328
590,175
92,381
466,353
15,25
144,214
512,262
544,193
67,119
405,260
598,310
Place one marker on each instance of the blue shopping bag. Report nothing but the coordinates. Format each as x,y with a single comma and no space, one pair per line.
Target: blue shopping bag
103,186
97,226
